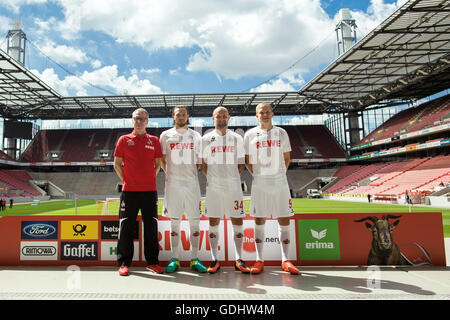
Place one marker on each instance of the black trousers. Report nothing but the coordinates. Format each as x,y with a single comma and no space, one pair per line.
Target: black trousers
130,204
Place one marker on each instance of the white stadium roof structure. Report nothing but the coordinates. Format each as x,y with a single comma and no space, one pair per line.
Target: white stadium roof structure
407,57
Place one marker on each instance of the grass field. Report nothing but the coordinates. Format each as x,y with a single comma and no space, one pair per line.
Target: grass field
92,207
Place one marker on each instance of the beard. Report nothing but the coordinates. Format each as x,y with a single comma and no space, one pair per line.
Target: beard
181,123
221,124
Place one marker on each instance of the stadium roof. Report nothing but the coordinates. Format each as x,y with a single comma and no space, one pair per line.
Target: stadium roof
21,90
407,57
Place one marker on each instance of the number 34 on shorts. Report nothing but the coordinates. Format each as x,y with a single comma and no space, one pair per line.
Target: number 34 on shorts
239,206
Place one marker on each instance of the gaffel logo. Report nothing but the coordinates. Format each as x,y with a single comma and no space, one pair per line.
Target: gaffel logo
79,250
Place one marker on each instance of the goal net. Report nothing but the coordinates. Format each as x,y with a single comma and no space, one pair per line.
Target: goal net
109,206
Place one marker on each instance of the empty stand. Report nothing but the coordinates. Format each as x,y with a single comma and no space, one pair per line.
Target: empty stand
17,180
394,178
82,145
425,115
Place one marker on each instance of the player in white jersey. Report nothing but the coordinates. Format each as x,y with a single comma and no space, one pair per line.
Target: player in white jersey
223,161
181,148
267,157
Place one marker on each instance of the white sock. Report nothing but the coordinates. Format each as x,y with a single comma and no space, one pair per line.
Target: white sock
284,235
175,237
260,231
214,241
194,236
238,240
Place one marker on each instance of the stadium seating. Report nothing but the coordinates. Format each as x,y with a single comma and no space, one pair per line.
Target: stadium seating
394,178
425,115
17,180
82,145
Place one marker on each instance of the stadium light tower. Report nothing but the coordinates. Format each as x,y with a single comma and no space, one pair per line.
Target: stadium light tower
15,48
346,38
345,31
16,41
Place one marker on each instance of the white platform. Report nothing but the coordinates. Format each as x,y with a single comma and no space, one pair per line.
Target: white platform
314,283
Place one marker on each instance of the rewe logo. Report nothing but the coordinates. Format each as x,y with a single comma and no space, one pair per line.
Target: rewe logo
319,239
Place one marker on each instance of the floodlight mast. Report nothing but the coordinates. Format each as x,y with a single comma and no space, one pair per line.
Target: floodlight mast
346,38
345,31
15,48
16,42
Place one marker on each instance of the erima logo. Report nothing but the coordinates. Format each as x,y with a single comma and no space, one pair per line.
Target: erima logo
319,235
319,245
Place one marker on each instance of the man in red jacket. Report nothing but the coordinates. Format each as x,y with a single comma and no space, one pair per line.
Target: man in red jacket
137,161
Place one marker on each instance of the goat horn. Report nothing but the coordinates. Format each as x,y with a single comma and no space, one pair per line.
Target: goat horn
390,216
373,219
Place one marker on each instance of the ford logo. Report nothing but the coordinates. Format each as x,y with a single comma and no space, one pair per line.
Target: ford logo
39,230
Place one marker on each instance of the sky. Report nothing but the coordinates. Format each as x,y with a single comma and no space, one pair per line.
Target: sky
113,47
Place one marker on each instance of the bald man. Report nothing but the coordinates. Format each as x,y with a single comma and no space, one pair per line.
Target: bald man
267,157
223,160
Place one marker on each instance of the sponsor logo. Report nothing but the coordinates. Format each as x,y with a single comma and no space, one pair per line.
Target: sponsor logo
319,239
39,230
319,235
110,230
76,230
182,146
79,251
109,251
38,250
79,229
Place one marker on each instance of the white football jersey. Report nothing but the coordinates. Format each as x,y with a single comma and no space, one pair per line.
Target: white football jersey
222,154
266,151
181,149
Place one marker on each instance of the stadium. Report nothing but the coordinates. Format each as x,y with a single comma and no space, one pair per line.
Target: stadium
364,160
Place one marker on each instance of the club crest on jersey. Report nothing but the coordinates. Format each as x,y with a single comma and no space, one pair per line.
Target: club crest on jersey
149,141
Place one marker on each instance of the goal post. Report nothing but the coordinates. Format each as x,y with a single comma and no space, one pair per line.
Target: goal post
108,206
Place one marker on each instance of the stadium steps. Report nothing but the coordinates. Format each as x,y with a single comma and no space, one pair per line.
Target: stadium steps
390,188
395,175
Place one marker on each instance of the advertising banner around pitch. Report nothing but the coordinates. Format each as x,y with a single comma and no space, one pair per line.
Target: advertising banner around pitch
204,252
346,238
316,240
272,249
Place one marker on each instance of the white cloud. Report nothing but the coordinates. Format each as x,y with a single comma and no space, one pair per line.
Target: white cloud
150,71
233,39
15,5
288,81
174,72
106,77
96,63
63,54
5,25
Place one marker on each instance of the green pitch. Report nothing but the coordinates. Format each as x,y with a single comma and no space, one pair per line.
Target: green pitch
92,207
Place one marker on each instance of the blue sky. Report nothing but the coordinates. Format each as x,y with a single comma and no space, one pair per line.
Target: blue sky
176,46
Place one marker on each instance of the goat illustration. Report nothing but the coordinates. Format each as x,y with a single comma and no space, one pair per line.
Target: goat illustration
383,251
